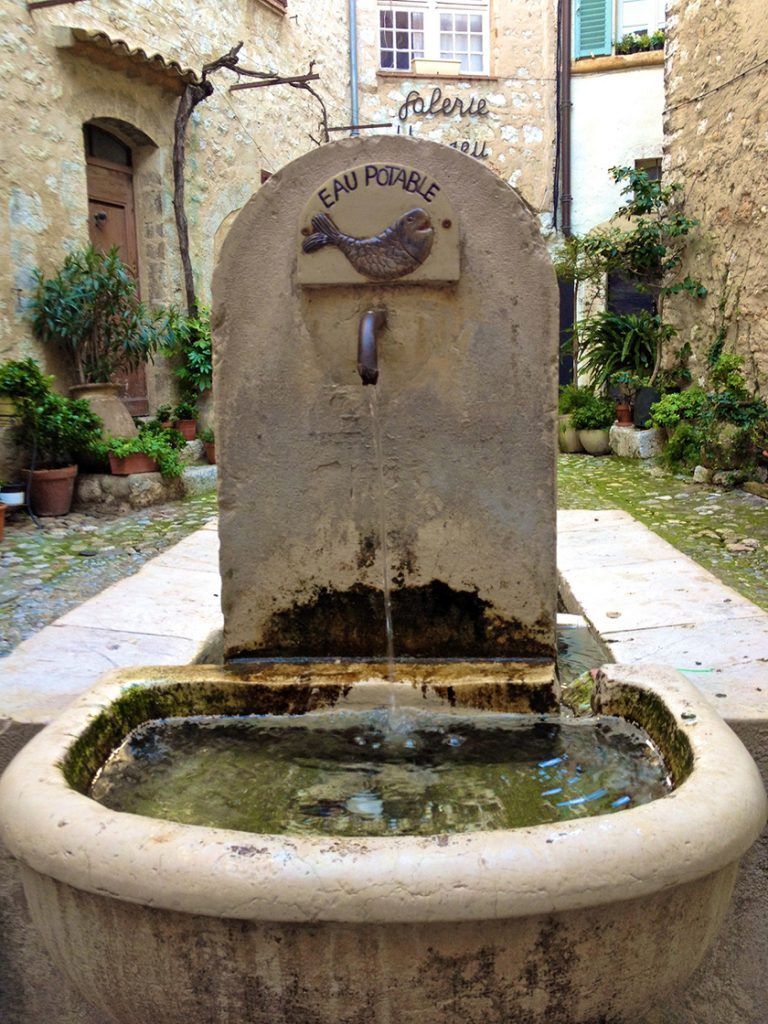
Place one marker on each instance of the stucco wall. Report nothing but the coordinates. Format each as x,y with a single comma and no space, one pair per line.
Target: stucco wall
616,119
716,144
50,90
519,128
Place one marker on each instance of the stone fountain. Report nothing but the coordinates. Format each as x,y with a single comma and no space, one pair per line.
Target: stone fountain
410,265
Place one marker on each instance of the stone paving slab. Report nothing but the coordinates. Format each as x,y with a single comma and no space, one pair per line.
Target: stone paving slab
651,604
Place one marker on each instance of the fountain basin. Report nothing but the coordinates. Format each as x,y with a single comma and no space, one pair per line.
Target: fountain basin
578,922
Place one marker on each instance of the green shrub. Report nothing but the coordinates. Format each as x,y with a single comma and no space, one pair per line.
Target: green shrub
90,310
684,447
53,429
571,397
596,414
206,436
186,410
189,344
157,444
674,408
611,343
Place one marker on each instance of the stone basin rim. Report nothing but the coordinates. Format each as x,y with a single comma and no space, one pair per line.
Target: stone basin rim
707,823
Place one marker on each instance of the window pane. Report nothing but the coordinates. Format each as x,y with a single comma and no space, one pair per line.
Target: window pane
417,20
403,61
446,41
385,19
460,22
446,22
385,40
387,59
475,23
401,40
417,53
417,41
401,19
476,62
464,62
476,44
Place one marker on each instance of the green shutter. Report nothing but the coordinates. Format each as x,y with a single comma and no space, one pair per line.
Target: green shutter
593,27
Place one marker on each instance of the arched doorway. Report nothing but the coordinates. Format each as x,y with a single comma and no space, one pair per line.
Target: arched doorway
112,221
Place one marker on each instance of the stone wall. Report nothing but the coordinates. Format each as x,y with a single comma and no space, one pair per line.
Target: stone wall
716,144
51,87
517,134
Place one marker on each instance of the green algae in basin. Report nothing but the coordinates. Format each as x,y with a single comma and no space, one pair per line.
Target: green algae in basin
380,773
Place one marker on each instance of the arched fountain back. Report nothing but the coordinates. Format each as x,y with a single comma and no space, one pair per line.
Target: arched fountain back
466,399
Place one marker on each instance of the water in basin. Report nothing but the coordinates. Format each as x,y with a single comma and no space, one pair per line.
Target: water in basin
371,773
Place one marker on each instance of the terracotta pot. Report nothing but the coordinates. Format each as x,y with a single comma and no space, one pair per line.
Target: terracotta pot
136,463
187,429
624,414
567,436
2,520
13,495
596,442
51,490
104,399
210,451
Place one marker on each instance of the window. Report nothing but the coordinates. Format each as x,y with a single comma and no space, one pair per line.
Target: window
651,166
600,23
436,29
401,38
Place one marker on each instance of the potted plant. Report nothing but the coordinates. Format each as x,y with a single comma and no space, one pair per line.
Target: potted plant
624,386
570,398
90,311
53,430
185,419
153,449
164,416
593,421
209,444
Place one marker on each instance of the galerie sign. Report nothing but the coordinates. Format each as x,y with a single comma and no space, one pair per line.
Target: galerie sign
415,103
378,223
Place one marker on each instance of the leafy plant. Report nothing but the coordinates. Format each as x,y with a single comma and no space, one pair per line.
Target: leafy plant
206,436
596,414
674,408
156,444
649,250
641,42
572,397
186,410
189,344
612,343
90,310
23,380
164,413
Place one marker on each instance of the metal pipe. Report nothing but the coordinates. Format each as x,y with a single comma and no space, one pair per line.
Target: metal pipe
564,115
354,111
371,323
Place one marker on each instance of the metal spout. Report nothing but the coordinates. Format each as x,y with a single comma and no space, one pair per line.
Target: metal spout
371,323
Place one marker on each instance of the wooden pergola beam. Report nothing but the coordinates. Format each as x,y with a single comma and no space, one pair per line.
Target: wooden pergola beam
36,5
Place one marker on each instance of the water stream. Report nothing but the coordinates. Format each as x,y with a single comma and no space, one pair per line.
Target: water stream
373,405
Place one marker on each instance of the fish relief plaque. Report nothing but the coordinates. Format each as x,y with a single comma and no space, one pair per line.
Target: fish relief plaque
379,224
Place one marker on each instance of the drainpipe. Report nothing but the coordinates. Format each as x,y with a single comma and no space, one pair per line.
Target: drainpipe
354,113
564,115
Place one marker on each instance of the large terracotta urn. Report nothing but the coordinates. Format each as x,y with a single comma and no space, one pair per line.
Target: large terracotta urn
105,401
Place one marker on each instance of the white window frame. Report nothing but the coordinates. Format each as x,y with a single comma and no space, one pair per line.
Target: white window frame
637,16
431,10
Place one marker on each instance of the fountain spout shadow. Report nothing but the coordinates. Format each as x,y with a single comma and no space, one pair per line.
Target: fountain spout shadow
367,348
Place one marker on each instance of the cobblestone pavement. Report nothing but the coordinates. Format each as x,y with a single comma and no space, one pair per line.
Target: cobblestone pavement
724,531
45,572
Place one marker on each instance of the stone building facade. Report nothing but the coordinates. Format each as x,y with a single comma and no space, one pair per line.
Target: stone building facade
498,105
120,68
716,145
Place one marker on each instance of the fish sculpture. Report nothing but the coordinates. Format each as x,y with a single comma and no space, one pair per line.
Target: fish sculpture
398,250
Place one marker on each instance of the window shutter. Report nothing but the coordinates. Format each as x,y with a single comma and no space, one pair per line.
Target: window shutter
593,27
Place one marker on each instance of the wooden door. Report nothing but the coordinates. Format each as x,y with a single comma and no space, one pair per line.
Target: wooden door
112,221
